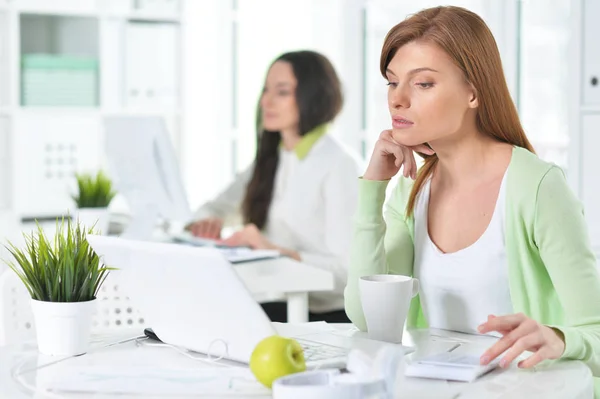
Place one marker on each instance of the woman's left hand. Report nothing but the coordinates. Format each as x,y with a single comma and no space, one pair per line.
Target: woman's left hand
249,236
519,334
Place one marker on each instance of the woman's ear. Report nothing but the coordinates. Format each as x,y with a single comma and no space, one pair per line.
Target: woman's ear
473,100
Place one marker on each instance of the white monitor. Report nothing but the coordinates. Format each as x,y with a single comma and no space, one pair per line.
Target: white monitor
144,167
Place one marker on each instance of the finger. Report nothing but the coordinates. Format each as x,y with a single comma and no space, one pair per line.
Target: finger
409,155
423,149
231,242
214,229
534,359
218,232
509,322
390,148
399,154
234,240
252,227
524,343
406,164
505,342
387,135
202,229
210,233
253,235
502,332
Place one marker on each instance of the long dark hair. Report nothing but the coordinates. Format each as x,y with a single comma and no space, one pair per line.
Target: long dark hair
319,99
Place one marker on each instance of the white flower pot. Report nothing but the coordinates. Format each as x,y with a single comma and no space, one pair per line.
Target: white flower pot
63,328
89,217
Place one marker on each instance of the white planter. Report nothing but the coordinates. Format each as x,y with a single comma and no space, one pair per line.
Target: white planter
89,217
63,328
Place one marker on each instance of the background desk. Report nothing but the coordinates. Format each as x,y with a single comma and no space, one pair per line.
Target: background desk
268,279
571,379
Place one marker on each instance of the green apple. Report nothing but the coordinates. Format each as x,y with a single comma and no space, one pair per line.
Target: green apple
275,357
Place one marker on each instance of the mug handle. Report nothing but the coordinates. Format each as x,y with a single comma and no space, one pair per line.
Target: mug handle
416,286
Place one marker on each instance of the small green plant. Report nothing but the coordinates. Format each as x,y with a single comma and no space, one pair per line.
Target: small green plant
94,191
66,270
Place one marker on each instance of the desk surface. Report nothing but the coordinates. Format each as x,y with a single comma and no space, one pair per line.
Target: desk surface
283,275
136,361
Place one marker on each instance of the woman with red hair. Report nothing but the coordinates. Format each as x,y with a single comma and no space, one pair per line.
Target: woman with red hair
494,234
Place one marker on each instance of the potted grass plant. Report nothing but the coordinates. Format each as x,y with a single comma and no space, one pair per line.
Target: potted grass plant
95,192
63,277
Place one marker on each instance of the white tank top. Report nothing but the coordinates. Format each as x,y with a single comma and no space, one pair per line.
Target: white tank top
460,289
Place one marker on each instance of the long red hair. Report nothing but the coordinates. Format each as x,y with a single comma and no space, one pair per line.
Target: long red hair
465,37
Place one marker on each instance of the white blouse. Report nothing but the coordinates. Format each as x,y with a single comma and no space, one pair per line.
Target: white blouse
314,199
460,289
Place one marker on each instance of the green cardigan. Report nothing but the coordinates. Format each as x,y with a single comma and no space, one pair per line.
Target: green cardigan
552,270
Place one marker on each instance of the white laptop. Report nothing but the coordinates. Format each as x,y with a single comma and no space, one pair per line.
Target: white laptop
193,298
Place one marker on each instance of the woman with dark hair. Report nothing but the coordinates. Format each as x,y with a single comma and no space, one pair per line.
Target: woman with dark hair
494,234
300,192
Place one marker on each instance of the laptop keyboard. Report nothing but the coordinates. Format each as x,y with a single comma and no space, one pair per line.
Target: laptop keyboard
315,351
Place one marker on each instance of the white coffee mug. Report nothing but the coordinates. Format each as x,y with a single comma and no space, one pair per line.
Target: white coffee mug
385,301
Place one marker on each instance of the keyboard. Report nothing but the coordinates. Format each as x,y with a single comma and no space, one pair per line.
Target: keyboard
318,354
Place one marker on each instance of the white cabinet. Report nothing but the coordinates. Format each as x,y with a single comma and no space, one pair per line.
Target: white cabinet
115,6
64,66
50,148
5,164
590,176
591,52
56,6
4,78
157,6
4,141
584,104
151,77
112,49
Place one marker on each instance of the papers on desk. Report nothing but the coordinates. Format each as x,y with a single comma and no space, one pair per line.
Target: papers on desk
241,255
232,254
156,381
187,238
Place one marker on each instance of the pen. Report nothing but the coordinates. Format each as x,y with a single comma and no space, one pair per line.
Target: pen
454,347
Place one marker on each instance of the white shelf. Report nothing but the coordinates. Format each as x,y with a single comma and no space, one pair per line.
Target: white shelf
93,110
60,13
142,112
59,34
153,17
75,111
589,109
56,7
132,15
